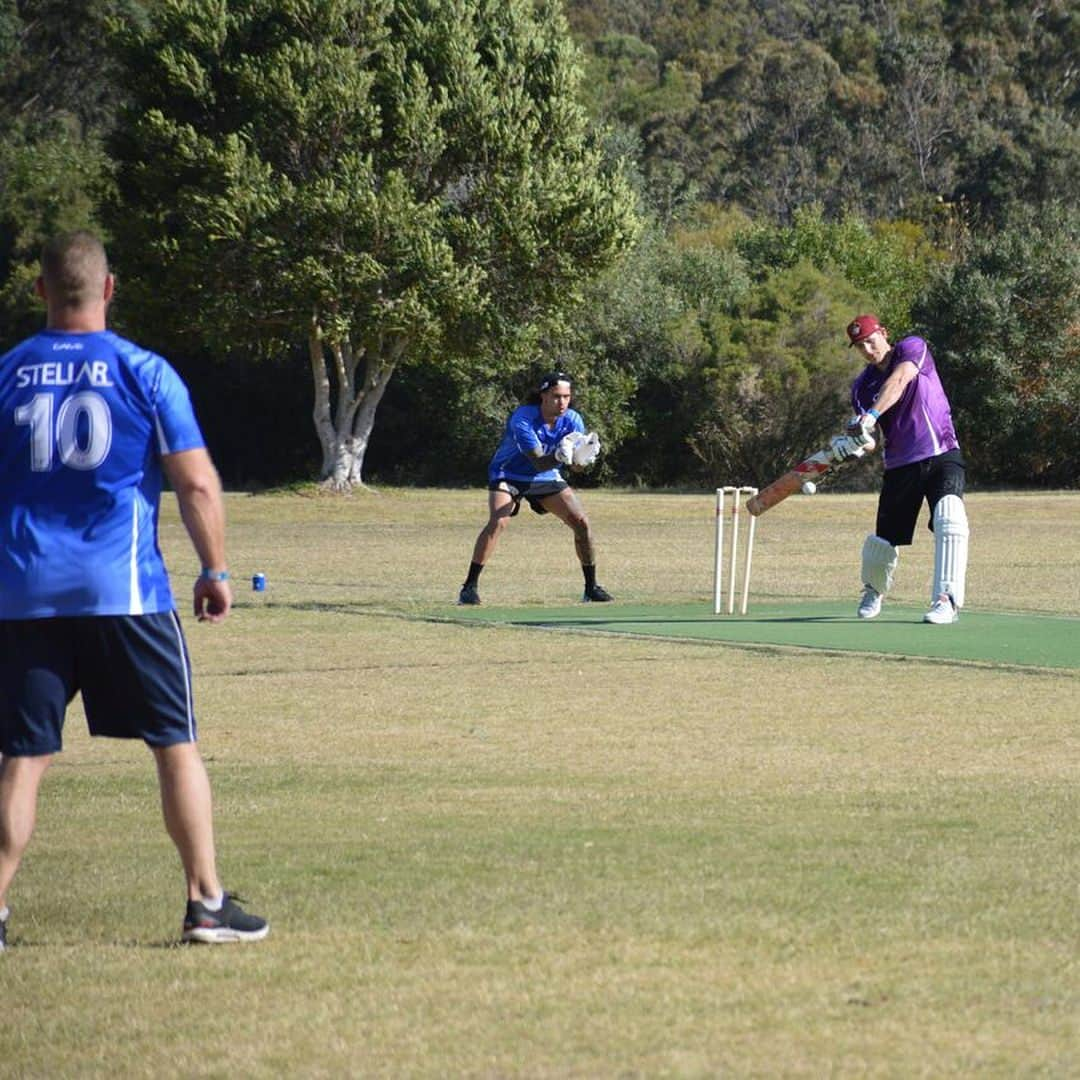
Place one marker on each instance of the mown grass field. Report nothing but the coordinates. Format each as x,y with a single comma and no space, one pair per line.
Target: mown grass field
499,852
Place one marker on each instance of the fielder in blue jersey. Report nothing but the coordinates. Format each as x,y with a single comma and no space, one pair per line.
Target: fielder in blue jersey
900,393
90,426
540,436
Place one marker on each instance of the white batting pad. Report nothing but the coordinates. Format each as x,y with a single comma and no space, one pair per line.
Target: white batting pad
879,559
950,548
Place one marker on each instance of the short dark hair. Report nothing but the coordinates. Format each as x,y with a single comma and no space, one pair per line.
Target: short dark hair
74,267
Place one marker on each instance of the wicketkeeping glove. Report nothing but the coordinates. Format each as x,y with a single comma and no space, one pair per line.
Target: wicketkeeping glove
564,451
587,450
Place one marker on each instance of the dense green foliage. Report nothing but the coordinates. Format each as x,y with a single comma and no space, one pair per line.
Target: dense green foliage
386,183
877,108
1007,314
56,100
325,194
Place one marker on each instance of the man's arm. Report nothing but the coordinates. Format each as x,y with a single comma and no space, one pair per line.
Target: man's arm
202,509
542,462
895,385
890,393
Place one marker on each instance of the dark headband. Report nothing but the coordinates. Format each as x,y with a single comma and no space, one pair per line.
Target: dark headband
553,377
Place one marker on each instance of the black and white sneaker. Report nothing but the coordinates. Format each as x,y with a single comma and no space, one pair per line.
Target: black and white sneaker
231,923
3,929
597,595
468,595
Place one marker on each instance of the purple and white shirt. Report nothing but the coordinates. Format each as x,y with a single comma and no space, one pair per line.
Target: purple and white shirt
919,425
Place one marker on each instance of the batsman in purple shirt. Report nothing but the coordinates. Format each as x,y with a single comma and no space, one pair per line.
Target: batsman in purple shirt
900,393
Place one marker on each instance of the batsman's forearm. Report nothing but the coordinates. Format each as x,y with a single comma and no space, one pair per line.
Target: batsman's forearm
894,386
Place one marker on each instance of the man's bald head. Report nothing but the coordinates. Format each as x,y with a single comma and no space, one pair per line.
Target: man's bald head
74,268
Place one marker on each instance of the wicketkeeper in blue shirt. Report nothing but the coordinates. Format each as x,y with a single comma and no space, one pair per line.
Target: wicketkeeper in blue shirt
540,436
90,424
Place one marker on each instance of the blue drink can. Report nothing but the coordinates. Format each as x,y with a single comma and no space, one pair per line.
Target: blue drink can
258,582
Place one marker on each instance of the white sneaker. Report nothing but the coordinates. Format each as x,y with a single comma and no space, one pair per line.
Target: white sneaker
870,604
942,612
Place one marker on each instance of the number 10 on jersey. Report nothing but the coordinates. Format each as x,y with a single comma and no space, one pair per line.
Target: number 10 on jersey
82,435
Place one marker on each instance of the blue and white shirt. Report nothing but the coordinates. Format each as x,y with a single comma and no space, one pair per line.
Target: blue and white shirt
525,430
84,420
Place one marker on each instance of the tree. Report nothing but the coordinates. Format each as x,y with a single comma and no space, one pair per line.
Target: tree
389,181
57,100
926,107
776,380
1003,323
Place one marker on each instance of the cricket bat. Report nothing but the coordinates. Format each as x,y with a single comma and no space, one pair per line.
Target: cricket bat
814,466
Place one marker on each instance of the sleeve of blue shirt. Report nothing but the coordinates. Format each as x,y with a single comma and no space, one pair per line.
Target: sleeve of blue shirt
177,427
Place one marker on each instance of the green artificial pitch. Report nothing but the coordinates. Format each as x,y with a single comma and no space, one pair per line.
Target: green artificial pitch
988,637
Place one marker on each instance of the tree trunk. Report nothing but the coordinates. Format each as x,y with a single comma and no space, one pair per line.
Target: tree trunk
344,426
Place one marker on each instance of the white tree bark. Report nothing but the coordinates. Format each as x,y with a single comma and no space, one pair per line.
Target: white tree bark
344,425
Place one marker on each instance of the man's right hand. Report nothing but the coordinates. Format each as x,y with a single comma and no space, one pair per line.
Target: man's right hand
844,447
564,451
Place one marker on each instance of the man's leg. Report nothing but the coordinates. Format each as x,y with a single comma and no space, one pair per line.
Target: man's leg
500,510
20,779
897,512
213,917
189,817
501,507
566,506
879,559
949,522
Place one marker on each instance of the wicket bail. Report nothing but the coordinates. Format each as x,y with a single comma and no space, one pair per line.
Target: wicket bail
736,494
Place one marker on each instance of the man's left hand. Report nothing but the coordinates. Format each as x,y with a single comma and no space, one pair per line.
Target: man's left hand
587,450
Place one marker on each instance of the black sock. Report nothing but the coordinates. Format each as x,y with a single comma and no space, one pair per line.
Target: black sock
590,575
474,573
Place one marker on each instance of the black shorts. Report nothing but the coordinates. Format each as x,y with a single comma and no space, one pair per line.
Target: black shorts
132,670
904,488
531,491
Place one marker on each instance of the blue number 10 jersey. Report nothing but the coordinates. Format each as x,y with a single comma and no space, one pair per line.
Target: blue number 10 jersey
84,420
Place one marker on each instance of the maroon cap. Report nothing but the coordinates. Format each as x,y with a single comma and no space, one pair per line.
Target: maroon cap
861,327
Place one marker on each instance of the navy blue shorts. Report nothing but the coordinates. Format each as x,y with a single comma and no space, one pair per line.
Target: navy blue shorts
904,488
132,671
530,490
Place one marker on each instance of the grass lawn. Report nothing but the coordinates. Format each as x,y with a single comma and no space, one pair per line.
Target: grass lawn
494,850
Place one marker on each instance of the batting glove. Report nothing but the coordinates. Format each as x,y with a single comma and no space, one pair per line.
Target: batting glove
861,427
844,447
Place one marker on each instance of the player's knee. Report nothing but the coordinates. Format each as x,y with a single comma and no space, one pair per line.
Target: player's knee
950,516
